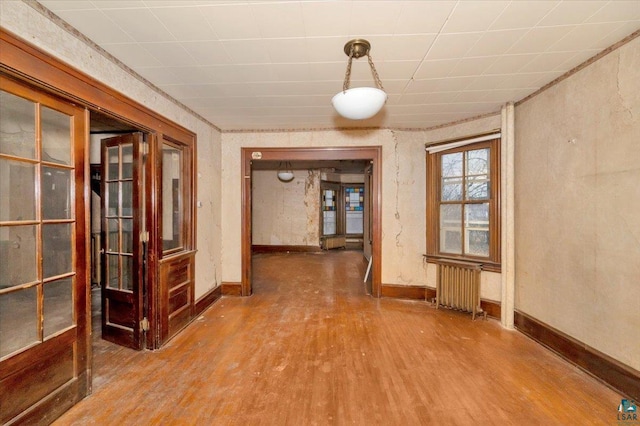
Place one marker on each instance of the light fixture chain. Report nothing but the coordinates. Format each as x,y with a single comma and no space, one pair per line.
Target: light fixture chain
347,75
376,77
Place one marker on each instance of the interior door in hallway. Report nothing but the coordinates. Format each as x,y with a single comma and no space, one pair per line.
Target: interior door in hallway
123,254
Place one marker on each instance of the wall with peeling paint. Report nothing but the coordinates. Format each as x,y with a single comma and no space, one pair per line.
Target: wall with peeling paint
286,213
577,166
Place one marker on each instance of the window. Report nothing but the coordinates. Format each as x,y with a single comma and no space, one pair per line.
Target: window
463,192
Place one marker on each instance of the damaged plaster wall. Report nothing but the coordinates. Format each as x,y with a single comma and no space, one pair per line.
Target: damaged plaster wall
577,167
26,22
286,213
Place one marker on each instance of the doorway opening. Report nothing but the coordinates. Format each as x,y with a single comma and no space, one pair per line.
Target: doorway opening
118,281
364,227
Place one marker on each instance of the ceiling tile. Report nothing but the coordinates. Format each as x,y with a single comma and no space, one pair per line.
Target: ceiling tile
508,64
327,49
95,25
545,62
574,60
472,66
617,11
279,19
207,52
160,75
470,16
421,17
583,35
247,51
170,54
439,84
374,17
523,14
495,42
401,47
130,21
230,22
132,55
449,46
539,39
119,4
396,70
326,18
571,12
624,30
185,23
435,69
287,50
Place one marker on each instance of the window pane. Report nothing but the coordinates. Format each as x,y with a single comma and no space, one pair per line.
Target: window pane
113,171
451,228
17,126
478,162
56,136
451,165
18,320
127,272
56,249
451,189
112,270
171,197
17,190
355,223
17,255
112,199
58,306
127,199
113,244
127,235
476,229
127,161
56,193
329,223
478,188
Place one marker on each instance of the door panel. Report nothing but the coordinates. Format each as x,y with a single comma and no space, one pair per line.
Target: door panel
44,331
122,296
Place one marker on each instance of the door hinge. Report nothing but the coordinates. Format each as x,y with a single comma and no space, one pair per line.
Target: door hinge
144,324
144,237
144,148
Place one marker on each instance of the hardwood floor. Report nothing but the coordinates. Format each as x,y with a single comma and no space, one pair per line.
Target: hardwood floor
309,347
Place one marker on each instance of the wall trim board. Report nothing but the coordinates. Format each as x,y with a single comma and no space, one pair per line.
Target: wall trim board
208,299
618,376
491,307
403,291
231,288
259,248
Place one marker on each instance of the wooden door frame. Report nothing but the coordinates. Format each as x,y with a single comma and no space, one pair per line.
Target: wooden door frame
372,153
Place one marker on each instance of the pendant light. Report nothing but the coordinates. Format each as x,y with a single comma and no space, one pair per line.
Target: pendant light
361,102
285,174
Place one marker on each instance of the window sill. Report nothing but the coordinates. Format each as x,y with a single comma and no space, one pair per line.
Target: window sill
484,265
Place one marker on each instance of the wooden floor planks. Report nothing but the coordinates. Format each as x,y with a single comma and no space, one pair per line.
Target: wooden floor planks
310,347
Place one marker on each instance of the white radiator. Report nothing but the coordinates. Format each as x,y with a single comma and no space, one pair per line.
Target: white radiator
458,287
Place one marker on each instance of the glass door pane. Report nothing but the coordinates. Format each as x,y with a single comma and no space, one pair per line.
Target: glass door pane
172,197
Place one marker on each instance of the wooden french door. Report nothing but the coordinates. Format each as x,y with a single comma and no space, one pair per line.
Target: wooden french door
44,334
123,241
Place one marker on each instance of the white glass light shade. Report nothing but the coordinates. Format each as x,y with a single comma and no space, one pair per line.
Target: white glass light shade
359,103
285,175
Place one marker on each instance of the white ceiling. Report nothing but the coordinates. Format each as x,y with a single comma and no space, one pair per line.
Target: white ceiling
276,64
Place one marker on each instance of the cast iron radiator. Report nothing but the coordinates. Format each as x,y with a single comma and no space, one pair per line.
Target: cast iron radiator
458,287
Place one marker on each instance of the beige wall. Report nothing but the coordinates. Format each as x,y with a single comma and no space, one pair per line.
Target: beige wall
286,213
577,166
29,24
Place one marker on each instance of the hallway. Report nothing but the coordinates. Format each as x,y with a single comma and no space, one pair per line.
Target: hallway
310,347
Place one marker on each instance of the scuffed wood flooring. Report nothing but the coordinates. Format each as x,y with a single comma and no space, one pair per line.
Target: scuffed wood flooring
311,348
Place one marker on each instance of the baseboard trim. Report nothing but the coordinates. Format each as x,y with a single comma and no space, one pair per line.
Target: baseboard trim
231,289
208,299
493,309
620,377
403,291
280,249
